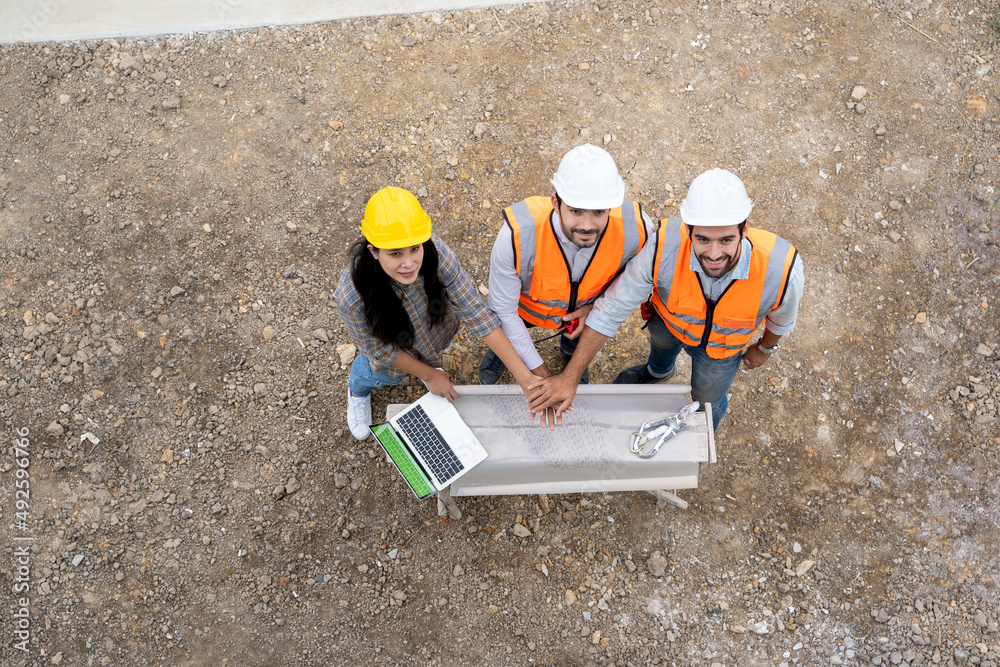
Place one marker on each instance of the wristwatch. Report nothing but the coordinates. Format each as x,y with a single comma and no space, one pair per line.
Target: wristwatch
768,350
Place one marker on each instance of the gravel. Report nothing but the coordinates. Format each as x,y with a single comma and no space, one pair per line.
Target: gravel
175,214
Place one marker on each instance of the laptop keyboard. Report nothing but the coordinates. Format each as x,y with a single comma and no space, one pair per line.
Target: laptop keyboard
426,439
401,456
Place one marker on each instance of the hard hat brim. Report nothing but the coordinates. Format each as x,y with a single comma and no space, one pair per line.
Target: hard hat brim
695,221
401,243
594,204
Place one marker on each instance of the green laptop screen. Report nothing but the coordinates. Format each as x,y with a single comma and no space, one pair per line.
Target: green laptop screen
403,459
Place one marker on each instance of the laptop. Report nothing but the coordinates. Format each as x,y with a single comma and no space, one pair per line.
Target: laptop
430,444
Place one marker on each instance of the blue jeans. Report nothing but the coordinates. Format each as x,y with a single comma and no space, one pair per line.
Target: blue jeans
363,379
710,378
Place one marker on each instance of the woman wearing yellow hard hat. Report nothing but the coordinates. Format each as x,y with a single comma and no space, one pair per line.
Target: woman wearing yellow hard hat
402,299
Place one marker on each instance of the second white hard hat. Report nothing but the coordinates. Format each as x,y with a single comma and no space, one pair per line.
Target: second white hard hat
716,198
588,179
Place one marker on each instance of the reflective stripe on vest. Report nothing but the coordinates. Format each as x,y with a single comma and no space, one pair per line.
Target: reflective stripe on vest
547,291
740,310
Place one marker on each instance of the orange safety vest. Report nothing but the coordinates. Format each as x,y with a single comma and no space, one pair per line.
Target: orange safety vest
739,312
547,289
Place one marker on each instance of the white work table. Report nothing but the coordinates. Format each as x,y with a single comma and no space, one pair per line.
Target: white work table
589,452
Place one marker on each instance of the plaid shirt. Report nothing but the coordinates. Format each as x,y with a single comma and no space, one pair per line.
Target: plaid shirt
464,303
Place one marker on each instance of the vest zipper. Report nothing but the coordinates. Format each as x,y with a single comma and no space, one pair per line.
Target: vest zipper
709,315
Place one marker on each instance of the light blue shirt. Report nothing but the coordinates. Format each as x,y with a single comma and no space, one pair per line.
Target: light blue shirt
634,285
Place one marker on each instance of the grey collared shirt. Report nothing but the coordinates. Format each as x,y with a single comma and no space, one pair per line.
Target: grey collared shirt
505,284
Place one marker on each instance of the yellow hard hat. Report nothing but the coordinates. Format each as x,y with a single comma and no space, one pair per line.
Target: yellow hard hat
395,219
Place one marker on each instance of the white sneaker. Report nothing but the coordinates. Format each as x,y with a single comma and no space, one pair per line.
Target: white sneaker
359,415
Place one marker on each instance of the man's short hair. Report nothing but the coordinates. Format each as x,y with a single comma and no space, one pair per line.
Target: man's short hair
742,226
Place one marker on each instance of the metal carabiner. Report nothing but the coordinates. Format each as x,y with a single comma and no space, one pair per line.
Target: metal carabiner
640,437
666,428
670,432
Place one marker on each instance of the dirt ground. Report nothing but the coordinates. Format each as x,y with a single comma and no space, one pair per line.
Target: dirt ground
175,213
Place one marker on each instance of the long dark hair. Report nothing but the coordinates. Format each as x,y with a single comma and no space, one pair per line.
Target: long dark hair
384,311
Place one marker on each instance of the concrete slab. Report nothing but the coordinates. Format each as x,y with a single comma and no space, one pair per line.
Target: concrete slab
69,20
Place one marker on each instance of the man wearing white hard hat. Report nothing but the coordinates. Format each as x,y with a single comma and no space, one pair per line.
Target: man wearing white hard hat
554,256
714,280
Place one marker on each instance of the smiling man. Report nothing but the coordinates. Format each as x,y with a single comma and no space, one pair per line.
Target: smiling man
714,282
556,255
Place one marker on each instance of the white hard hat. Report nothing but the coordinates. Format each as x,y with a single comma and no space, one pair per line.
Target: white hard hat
588,179
717,198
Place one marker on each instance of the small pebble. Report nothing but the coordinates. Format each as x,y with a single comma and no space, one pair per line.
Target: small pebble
657,564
